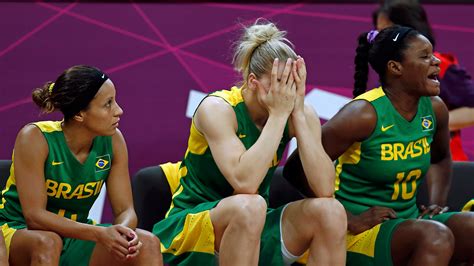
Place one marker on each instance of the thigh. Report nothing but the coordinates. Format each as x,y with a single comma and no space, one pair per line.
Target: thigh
23,242
462,226
240,209
305,219
415,233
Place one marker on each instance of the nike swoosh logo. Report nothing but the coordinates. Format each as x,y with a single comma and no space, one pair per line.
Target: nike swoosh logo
386,128
396,37
241,136
53,163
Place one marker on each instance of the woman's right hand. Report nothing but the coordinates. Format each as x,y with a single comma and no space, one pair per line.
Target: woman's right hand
114,238
280,99
357,224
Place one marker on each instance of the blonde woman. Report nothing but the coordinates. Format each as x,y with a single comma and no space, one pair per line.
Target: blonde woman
237,137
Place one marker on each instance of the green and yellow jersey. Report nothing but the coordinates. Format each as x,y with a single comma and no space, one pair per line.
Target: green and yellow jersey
187,233
200,178
71,186
386,169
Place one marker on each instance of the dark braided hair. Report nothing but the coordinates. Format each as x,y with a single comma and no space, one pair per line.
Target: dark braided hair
378,53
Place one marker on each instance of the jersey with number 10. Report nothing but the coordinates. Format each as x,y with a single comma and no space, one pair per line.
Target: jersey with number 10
387,168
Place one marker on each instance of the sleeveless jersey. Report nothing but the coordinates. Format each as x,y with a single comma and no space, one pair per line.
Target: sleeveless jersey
71,187
387,168
200,178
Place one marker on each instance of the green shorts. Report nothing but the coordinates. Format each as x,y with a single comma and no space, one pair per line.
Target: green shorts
75,251
187,237
373,247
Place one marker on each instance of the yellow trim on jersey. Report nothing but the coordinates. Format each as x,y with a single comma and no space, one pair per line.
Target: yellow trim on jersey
363,243
7,235
171,171
11,181
351,156
175,186
178,191
371,95
197,143
232,96
49,126
469,206
197,235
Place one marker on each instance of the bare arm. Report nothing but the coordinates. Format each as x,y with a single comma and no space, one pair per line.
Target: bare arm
317,165
216,120
354,123
243,169
31,151
118,185
439,179
460,118
305,126
338,134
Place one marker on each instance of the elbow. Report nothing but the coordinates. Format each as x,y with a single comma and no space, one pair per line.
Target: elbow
244,190
31,219
325,194
245,186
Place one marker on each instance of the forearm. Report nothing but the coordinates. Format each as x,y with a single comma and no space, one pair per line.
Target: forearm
439,181
293,172
127,218
48,221
317,165
254,163
460,118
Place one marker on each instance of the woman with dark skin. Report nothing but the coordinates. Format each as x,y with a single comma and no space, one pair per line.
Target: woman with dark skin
384,141
457,87
57,171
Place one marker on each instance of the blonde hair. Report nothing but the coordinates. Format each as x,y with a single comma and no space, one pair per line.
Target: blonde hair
258,47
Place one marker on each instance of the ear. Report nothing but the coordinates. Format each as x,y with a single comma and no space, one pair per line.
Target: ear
395,67
252,82
79,117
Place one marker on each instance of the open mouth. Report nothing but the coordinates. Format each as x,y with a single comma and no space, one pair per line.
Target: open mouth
434,77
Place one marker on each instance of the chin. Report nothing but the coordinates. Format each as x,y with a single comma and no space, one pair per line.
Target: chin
434,91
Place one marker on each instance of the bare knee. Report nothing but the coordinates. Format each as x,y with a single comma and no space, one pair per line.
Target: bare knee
47,247
328,215
435,237
249,212
149,240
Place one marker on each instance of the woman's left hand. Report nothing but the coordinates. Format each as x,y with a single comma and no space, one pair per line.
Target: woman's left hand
134,245
432,210
299,74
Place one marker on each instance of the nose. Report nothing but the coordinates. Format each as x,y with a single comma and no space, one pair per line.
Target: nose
118,110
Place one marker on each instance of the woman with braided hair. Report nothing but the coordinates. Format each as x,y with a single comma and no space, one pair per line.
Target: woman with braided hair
383,143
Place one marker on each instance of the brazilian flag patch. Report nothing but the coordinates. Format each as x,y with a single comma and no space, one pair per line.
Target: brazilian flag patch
427,123
102,163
